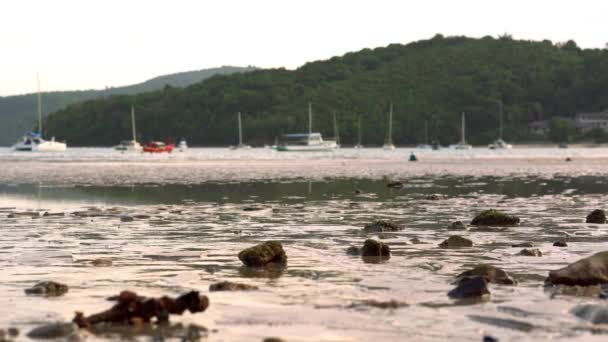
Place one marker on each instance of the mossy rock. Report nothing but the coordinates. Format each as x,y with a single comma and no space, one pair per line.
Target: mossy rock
456,241
381,226
262,254
493,217
490,273
47,288
596,216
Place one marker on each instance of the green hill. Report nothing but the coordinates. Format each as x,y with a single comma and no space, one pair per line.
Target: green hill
18,113
430,80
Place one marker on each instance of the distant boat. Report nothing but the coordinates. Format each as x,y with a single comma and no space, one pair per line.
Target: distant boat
359,145
305,142
462,145
240,145
388,144
33,141
562,145
159,147
183,145
130,145
426,145
499,143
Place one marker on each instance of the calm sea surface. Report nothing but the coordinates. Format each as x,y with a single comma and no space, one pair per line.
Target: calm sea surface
193,224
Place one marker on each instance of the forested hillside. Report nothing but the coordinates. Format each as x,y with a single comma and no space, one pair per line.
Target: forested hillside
431,80
18,113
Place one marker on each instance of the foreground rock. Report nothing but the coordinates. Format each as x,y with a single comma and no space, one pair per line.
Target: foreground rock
53,331
470,287
47,288
596,216
230,286
596,314
534,252
560,243
132,308
394,185
523,244
592,270
490,273
353,250
456,241
494,217
391,304
373,248
262,254
457,225
382,226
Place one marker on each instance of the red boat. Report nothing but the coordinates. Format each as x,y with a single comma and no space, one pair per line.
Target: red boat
158,147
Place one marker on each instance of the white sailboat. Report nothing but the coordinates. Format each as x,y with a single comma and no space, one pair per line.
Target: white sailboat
462,145
499,143
240,145
305,142
336,132
425,145
33,141
388,144
130,145
183,145
359,145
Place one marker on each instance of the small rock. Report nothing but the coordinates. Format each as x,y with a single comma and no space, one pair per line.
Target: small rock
568,159
273,339
353,250
592,270
395,185
262,254
416,241
373,248
141,216
596,216
391,304
488,338
13,332
596,314
560,243
48,288
382,226
535,252
494,217
433,197
101,262
357,192
126,219
53,330
230,286
523,245
490,273
470,287
457,225
456,241
253,208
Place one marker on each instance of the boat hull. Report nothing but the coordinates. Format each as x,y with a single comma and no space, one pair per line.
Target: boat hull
50,146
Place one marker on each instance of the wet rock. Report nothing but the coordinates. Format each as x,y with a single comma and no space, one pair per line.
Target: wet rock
273,339
382,226
416,241
358,192
53,330
101,262
596,314
456,241
142,216
48,288
263,253
488,338
592,270
596,216
373,248
534,252
457,225
433,197
560,243
252,208
391,304
568,159
353,250
126,219
523,245
13,332
31,214
470,287
230,286
394,185
48,214
494,217
490,273
575,291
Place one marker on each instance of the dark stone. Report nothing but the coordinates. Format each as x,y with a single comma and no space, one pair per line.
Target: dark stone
592,270
568,159
101,262
253,208
416,241
395,185
490,273
273,339
456,241
353,250
382,226
494,217
488,338
523,245
457,225
53,330
13,332
357,192
230,286
596,216
391,304
535,252
433,197
126,219
141,216
262,254
48,288
560,243
596,314
373,248
470,287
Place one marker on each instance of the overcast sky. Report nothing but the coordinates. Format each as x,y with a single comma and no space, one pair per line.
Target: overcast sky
83,44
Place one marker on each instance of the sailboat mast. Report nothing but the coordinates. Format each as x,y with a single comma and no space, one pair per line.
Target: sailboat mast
500,120
389,140
39,106
426,132
309,118
462,140
359,132
133,122
336,132
240,130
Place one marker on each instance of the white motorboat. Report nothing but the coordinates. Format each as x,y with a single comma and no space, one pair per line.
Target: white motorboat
462,145
305,142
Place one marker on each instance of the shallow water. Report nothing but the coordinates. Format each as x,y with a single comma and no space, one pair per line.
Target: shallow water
193,224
